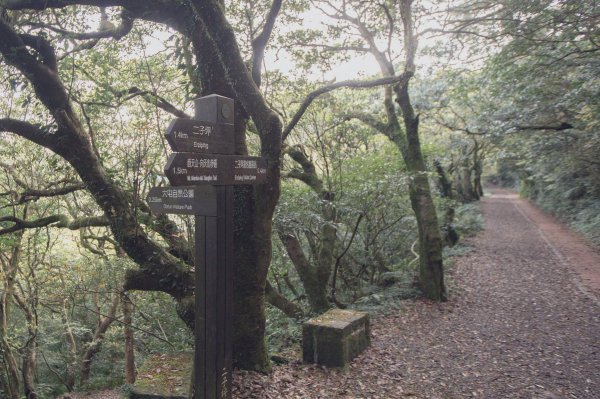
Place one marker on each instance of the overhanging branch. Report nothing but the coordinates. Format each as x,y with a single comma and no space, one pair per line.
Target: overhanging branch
352,84
308,174
151,98
370,121
47,84
106,31
61,221
259,43
562,126
27,131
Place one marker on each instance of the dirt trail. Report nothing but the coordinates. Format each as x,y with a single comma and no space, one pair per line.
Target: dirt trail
523,322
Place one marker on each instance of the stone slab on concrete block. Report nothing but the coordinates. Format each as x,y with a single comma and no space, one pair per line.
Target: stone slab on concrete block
335,337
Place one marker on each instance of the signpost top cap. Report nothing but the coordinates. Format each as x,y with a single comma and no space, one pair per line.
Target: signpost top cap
214,108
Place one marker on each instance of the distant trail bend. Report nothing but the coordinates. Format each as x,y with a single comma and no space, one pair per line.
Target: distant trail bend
567,246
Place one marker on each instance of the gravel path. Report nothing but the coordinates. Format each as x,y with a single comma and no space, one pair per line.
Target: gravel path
523,321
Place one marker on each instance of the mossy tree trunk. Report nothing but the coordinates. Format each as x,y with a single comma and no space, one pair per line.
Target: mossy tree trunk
29,306
445,186
431,271
253,206
71,355
315,274
477,168
95,345
403,130
221,70
128,338
10,369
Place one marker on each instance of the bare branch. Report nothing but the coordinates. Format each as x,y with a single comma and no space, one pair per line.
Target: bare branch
27,131
308,174
105,32
562,126
259,43
277,299
151,98
61,221
42,76
34,194
338,260
370,121
353,84
44,4
81,47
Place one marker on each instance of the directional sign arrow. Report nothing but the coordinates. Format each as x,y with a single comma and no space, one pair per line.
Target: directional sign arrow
191,135
191,200
212,169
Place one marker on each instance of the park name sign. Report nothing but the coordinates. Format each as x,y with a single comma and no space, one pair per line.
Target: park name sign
202,172
190,200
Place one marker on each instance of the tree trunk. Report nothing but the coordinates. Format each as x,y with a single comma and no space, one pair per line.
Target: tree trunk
10,368
253,211
71,350
252,256
29,351
477,186
468,193
444,184
313,280
127,306
431,271
29,368
477,170
96,344
11,382
406,138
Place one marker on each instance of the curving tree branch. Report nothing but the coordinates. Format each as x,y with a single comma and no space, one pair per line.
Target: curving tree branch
43,48
106,30
276,298
44,79
259,43
558,128
60,221
353,84
163,271
308,174
371,121
28,131
151,98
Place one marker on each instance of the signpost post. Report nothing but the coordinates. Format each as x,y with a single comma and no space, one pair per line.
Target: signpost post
202,173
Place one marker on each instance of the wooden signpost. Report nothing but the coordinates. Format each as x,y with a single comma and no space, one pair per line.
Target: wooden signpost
202,173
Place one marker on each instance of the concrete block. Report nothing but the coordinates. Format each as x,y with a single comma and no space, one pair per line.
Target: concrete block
334,338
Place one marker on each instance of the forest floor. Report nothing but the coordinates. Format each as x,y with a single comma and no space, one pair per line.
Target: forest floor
523,321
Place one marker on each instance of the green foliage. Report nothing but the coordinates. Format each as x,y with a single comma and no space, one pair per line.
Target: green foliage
469,219
284,334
